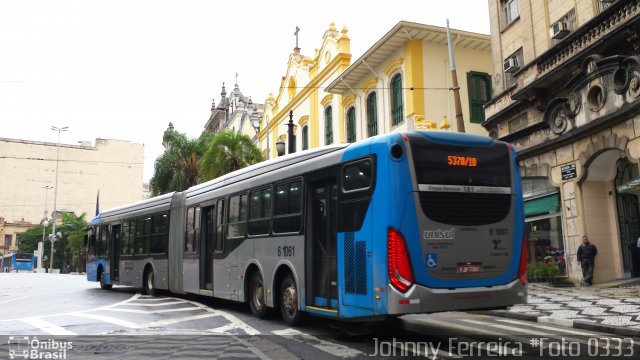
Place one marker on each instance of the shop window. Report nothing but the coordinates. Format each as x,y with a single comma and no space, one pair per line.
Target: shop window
545,247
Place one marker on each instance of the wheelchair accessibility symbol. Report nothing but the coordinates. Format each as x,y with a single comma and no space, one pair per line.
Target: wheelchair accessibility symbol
431,260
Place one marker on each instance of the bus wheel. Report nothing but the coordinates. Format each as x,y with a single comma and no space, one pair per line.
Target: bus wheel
103,285
148,285
256,295
289,301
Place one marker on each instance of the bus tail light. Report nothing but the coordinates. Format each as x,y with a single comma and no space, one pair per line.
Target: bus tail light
400,273
522,270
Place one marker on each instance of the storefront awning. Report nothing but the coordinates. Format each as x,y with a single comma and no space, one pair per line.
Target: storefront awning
632,187
544,205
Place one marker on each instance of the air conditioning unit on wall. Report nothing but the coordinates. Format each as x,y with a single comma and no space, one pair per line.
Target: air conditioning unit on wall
559,30
511,65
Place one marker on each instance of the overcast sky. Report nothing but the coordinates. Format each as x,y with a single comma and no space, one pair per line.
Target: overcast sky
124,69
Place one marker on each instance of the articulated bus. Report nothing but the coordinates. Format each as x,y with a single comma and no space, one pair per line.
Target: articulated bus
395,224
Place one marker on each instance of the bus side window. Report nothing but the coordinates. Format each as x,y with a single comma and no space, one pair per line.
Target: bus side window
357,176
189,231
287,215
357,188
124,239
237,216
219,247
260,212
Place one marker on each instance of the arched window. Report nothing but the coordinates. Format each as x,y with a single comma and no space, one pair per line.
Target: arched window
328,125
372,115
305,137
351,125
396,100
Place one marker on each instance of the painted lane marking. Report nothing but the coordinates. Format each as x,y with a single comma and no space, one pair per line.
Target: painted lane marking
152,311
160,323
108,319
224,329
6,301
77,312
152,305
326,346
47,327
231,318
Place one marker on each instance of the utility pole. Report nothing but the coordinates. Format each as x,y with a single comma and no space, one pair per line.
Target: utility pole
55,194
454,81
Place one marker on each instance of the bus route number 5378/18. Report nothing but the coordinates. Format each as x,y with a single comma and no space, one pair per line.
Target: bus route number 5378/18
286,251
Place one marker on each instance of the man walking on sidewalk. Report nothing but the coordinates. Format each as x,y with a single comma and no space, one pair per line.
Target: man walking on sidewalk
586,257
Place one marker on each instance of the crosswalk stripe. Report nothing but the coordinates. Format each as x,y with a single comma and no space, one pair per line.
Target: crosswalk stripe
48,327
534,325
504,327
326,346
441,323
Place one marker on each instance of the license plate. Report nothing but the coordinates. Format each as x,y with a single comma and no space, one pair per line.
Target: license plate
469,268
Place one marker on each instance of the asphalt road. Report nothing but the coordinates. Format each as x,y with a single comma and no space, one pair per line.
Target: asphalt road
75,319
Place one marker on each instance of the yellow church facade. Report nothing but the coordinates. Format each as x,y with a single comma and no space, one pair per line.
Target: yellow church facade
402,83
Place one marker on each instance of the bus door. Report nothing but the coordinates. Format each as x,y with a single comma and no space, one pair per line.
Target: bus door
207,248
116,247
321,265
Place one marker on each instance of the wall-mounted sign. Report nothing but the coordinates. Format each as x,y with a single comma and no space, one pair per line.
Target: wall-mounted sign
568,171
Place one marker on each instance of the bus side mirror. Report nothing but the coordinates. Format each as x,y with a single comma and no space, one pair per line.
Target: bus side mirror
86,240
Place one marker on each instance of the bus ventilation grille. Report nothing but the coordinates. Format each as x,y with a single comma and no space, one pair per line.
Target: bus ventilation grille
465,209
355,265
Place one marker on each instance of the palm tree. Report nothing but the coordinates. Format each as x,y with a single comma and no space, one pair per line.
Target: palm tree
228,151
177,168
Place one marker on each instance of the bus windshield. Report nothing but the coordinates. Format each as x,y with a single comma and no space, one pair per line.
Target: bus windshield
24,257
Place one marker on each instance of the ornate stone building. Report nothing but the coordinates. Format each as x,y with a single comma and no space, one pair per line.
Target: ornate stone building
567,96
235,112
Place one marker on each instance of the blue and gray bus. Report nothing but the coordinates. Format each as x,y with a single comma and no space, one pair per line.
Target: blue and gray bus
18,262
400,223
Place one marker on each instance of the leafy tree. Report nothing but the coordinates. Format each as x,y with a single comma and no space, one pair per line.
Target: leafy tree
29,239
227,152
177,168
67,249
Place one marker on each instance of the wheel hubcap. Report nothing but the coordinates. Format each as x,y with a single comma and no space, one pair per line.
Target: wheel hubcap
289,300
150,281
257,295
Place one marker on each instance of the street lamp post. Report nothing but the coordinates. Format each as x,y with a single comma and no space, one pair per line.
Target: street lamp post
55,193
45,223
290,136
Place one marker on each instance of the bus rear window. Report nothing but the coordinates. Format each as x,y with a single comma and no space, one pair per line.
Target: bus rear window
439,164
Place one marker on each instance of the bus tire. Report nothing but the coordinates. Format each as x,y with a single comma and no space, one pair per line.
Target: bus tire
256,296
103,284
289,301
148,286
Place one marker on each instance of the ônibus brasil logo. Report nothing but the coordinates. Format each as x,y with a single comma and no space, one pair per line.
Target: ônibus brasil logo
23,347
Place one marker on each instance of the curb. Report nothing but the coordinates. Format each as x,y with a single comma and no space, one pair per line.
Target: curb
576,324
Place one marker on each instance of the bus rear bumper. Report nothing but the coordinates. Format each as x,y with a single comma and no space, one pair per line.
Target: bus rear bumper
422,299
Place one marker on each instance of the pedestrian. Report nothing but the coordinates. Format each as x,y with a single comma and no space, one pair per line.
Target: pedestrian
586,257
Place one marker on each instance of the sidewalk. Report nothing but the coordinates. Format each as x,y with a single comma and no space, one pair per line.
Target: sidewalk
612,308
